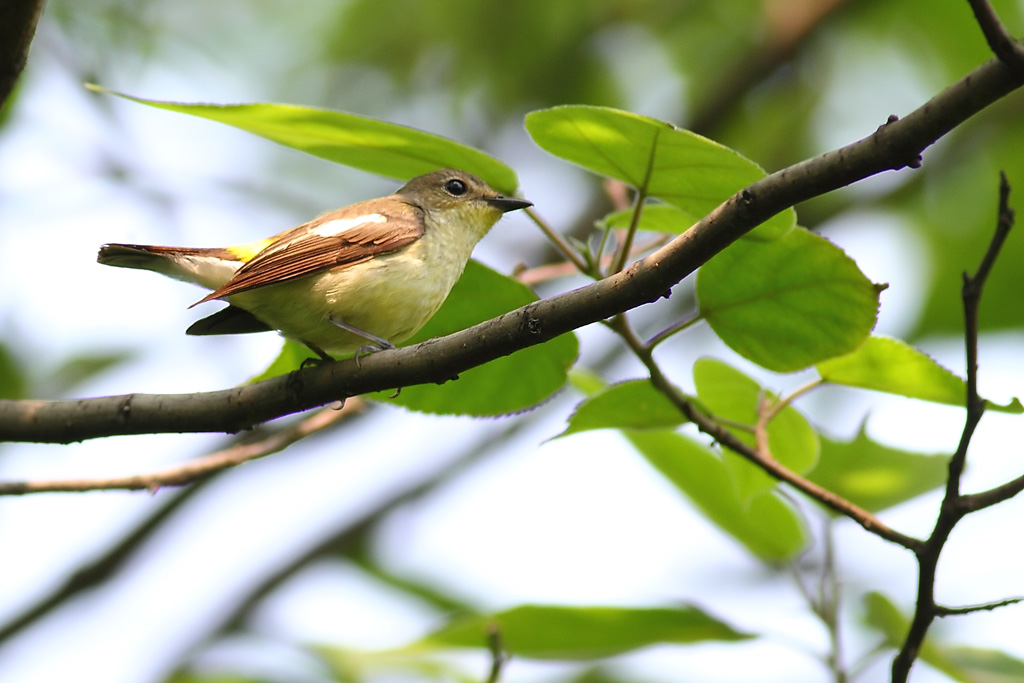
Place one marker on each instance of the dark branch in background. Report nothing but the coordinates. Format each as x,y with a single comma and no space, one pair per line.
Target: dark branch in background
352,541
953,508
787,34
95,573
18,19
895,145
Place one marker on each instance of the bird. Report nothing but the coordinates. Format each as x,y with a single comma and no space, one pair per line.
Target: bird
361,278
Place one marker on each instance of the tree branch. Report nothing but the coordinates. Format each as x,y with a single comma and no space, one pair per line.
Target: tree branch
773,467
943,611
18,19
895,145
194,470
999,39
953,508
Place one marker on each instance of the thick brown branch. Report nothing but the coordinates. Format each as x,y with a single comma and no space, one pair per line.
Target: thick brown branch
894,145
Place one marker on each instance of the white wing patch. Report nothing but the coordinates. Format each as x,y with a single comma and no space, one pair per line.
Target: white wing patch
207,271
340,225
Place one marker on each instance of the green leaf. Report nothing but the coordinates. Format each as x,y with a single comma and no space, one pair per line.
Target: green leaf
767,525
81,368
729,394
380,147
635,404
682,168
982,665
788,303
505,385
893,366
13,381
582,633
875,476
882,614
663,218
291,357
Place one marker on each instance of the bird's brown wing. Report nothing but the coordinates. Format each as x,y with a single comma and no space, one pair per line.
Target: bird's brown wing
338,239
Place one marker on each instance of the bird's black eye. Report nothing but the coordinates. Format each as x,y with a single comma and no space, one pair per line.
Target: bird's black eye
456,187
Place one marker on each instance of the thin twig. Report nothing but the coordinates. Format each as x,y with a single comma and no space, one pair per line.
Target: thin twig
953,509
999,39
943,611
553,271
671,330
498,656
560,242
726,438
189,472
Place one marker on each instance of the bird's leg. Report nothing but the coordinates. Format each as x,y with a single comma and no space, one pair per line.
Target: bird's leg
322,356
376,343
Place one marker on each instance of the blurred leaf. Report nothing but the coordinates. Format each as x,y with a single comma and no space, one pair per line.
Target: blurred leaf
195,677
81,368
730,395
884,616
953,216
289,359
788,303
893,366
875,476
981,665
586,381
682,168
635,404
379,147
13,381
767,525
349,665
505,385
581,633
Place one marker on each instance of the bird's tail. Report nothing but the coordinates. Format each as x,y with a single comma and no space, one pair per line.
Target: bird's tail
208,268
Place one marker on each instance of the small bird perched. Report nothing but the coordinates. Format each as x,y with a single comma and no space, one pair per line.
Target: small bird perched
368,275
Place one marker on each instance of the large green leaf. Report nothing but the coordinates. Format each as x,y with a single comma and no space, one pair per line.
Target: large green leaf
730,395
505,385
682,168
874,476
635,404
893,366
768,526
387,149
581,633
787,303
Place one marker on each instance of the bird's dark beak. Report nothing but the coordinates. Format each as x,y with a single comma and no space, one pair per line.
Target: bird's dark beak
507,203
